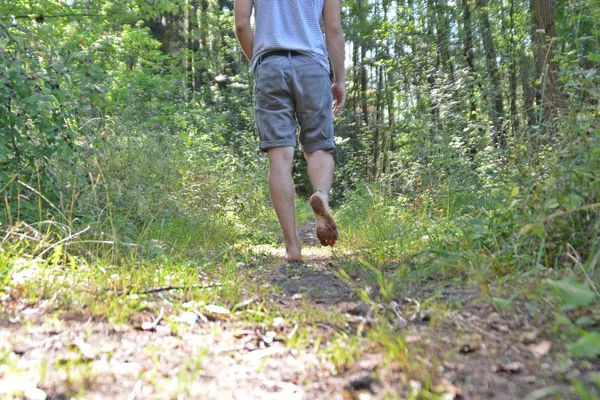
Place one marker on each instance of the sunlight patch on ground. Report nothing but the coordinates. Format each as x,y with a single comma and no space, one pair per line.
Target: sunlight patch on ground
309,253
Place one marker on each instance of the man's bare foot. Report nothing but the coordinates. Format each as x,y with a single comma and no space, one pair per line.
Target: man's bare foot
326,227
293,253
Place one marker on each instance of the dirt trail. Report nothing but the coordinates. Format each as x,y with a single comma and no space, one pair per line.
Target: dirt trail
471,350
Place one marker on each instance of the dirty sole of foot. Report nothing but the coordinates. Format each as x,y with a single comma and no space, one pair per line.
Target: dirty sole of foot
326,227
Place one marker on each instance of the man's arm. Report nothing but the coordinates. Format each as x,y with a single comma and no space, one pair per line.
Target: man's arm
243,30
334,36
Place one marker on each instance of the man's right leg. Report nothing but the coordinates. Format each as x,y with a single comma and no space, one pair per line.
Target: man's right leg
281,188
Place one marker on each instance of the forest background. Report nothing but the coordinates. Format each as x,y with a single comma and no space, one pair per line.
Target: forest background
469,148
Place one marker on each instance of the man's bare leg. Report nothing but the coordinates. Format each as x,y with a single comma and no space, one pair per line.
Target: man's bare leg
281,189
320,170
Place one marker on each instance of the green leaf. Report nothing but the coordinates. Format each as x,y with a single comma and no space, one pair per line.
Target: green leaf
573,293
502,304
588,346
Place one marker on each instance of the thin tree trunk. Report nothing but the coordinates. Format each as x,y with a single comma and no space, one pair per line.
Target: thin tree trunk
545,32
514,114
443,37
528,90
497,109
469,55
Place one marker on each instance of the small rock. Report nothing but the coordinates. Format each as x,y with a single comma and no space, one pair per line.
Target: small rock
269,337
469,348
367,365
449,365
450,392
278,322
363,309
400,322
87,351
529,337
362,382
297,296
35,394
186,317
528,379
425,315
500,328
512,367
573,374
494,318
415,386
124,368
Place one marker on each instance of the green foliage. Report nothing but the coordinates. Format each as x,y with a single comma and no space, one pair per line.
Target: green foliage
36,110
573,293
588,346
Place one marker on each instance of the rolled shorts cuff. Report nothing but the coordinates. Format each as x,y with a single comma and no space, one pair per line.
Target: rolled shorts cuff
322,145
266,145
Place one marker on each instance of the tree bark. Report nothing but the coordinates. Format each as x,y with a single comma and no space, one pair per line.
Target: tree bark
497,109
543,37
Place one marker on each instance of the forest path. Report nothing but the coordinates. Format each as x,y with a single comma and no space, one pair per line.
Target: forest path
299,331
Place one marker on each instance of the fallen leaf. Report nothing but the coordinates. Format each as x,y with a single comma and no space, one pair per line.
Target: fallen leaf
150,326
214,309
244,304
292,332
262,353
200,315
217,312
540,349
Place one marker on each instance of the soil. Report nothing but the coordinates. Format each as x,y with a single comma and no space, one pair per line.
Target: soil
472,350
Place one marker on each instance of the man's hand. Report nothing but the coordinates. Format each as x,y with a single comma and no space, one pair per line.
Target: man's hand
339,94
242,13
334,37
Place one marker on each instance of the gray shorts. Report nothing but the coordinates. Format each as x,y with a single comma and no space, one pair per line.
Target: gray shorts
291,91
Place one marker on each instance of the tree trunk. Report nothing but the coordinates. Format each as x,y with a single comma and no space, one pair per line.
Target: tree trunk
543,37
528,90
469,55
443,37
514,114
497,109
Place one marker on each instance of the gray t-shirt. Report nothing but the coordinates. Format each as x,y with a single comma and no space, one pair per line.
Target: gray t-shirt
289,25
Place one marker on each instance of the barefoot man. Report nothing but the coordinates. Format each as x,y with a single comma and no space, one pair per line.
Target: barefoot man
289,57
